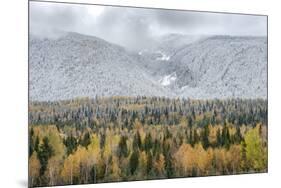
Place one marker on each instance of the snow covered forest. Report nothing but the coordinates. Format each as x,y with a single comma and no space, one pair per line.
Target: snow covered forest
76,65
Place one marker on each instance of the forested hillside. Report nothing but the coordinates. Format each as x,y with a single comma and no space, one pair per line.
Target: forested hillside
134,138
77,65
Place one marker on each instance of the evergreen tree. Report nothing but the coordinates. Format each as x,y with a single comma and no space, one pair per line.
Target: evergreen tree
219,138
237,136
137,141
31,142
225,137
36,144
71,144
122,147
169,165
134,162
45,152
149,163
86,140
148,142
205,137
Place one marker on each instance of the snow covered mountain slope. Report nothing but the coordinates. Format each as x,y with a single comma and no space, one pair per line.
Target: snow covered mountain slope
77,65
163,48
220,67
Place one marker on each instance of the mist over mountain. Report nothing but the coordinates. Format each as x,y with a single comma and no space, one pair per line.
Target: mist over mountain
204,67
216,67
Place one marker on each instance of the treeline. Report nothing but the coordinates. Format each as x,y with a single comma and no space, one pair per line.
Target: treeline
121,139
123,111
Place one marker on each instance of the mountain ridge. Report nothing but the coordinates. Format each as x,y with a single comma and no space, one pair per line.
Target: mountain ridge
77,65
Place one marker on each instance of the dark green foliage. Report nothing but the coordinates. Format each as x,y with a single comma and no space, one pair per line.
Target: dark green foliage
169,165
31,142
205,135
219,138
134,162
149,163
190,122
86,140
137,141
156,147
122,147
71,144
225,137
45,152
237,138
154,111
148,144
36,144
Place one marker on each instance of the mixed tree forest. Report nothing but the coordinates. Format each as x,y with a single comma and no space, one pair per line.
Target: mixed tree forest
108,139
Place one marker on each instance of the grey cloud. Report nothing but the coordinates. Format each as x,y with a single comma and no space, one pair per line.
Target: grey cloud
126,27
135,28
48,19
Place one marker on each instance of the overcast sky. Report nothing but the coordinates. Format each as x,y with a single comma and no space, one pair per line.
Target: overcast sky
131,26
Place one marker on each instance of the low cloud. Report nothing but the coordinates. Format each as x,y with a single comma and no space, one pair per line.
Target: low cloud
135,28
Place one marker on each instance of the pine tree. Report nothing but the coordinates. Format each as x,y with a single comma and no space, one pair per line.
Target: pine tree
122,147
45,152
71,144
225,137
31,142
237,136
205,137
149,163
86,140
169,165
219,138
148,142
36,144
137,141
134,161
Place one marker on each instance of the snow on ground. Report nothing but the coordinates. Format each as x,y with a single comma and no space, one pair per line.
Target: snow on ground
168,79
164,57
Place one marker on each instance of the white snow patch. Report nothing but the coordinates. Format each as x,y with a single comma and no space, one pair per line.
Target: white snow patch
163,58
168,79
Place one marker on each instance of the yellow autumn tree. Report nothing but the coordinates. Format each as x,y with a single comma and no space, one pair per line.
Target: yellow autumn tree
234,158
185,160
142,164
56,142
159,165
93,156
53,170
71,168
107,152
33,169
255,152
203,160
115,173
220,161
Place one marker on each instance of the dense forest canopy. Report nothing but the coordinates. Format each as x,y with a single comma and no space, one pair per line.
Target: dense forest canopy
132,138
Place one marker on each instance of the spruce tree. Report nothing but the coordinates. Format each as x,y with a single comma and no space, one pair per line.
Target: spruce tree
122,147
134,161
45,152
